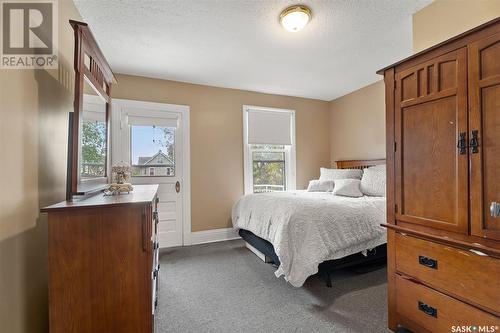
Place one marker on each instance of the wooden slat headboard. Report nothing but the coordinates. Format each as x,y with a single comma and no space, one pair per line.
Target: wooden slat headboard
358,164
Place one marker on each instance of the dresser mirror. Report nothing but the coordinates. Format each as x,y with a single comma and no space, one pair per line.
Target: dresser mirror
92,135
88,158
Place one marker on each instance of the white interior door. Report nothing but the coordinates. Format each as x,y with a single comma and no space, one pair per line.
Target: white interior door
151,141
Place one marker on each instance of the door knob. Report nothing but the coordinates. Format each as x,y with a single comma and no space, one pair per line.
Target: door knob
495,209
177,187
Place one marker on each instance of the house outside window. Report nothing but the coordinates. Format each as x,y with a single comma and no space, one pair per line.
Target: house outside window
152,151
269,149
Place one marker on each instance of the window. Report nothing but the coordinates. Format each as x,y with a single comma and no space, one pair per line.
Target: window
152,151
268,168
269,149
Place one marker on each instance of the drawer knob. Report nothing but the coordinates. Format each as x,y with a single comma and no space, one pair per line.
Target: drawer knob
427,309
427,262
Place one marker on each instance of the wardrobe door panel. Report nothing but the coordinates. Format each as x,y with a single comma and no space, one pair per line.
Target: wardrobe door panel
484,97
431,172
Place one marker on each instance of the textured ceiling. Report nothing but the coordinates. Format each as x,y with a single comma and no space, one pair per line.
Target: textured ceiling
240,44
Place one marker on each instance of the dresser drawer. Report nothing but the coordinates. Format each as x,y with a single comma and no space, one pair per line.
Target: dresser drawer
460,273
435,311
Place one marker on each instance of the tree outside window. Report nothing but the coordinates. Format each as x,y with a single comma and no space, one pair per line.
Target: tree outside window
268,167
93,149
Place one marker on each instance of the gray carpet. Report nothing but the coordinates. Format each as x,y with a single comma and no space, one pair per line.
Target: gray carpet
223,287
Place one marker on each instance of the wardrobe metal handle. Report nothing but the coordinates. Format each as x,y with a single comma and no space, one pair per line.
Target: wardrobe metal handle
177,187
462,145
495,209
427,309
474,142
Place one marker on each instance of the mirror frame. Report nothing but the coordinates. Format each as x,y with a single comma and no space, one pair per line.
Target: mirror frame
97,72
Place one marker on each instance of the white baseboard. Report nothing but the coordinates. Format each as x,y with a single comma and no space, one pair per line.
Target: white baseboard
214,235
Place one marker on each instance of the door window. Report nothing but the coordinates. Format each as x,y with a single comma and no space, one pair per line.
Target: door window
152,151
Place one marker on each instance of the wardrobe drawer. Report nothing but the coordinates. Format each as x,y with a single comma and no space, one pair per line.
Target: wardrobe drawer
435,311
460,273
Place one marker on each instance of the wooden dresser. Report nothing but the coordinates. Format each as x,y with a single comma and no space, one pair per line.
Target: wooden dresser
443,179
103,263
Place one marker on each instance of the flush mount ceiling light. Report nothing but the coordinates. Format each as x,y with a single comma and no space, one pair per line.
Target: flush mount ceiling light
295,18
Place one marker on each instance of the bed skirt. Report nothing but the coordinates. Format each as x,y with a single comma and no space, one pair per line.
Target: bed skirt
377,255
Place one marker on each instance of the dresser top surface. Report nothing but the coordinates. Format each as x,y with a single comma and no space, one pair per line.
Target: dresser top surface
140,194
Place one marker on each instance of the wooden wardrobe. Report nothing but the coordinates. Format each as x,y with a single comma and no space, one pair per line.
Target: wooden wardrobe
443,175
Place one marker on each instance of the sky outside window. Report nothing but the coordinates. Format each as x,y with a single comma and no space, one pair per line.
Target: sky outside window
146,141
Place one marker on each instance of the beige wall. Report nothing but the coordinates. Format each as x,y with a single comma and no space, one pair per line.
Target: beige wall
33,135
443,19
217,139
357,124
358,119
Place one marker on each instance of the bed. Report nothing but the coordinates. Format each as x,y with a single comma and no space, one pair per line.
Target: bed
305,232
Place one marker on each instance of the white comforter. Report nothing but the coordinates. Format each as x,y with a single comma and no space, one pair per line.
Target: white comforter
307,228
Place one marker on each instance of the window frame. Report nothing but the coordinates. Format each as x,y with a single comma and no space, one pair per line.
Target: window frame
290,151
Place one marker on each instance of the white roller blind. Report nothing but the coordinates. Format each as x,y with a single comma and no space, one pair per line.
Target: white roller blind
151,121
269,127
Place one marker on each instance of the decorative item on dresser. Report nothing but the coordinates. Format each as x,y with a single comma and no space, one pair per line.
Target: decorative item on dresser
103,263
121,174
443,183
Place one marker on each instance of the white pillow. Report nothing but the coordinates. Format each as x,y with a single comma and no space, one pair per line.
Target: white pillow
320,186
347,188
334,174
373,181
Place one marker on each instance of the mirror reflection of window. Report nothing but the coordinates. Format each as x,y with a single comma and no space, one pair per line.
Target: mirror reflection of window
92,135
